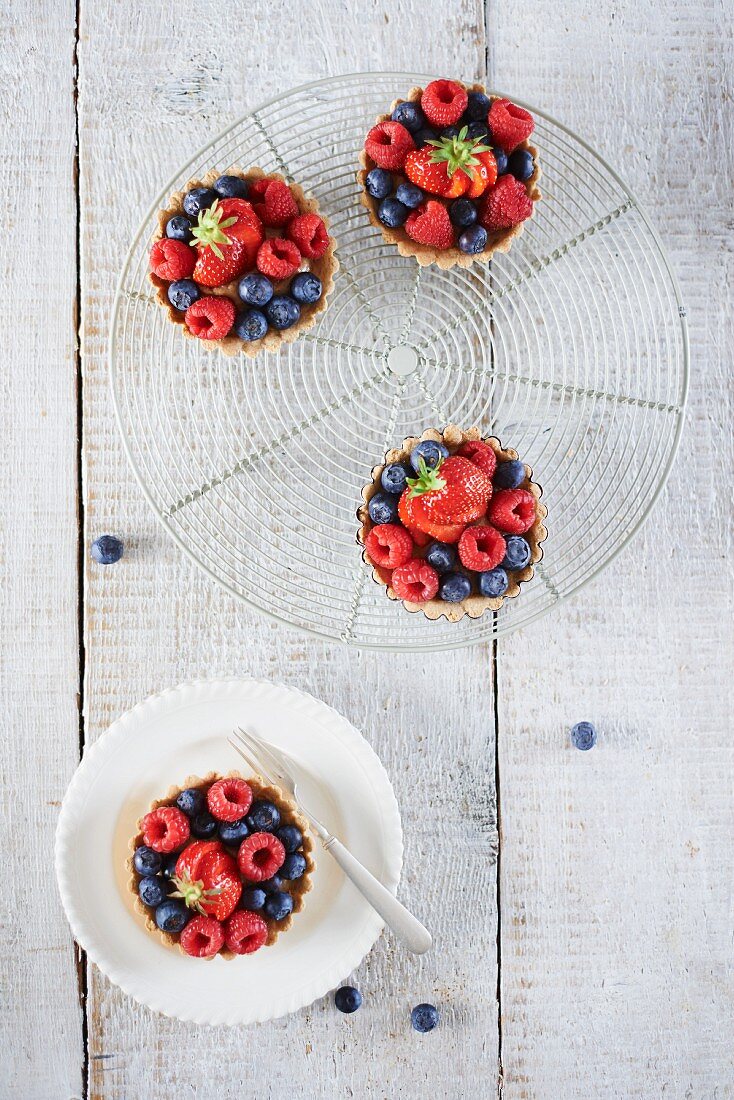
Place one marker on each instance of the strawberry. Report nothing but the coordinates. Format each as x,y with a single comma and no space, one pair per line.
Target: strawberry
455,491
430,224
309,233
165,829
481,454
452,166
245,932
444,102
278,258
275,205
202,937
428,174
509,124
172,260
388,144
216,888
427,530
260,855
512,510
192,855
229,799
389,545
228,235
481,548
416,581
210,318
506,204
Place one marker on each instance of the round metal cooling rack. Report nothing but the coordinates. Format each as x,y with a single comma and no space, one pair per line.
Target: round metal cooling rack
572,348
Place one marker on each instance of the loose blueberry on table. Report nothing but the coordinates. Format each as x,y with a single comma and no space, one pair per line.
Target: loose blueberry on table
106,550
219,871
449,175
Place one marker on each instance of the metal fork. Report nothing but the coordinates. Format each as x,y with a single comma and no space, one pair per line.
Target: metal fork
275,767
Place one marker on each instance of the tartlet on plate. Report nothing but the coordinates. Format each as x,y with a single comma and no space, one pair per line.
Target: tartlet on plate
448,174
451,523
243,261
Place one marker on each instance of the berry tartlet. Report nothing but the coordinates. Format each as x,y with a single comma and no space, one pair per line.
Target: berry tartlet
451,523
243,261
220,865
449,175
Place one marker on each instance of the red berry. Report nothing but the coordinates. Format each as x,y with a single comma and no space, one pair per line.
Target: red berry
480,454
172,260
509,124
165,829
481,548
202,937
273,202
428,529
512,510
388,144
430,224
309,233
210,318
245,932
389,545
229,799
444,102
506,204
260,856
278,258
187,864
416,581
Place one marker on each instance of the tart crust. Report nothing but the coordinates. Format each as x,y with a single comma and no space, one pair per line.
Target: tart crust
290,815
446,258
324,267
474,606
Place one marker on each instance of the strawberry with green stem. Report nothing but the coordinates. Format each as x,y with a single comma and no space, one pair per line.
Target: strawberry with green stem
206,878
452,166
452,493
227,237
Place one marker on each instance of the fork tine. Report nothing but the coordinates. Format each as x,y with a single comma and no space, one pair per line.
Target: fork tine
264,751
252,761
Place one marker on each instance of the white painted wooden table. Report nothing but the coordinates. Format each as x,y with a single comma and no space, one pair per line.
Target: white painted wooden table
583,904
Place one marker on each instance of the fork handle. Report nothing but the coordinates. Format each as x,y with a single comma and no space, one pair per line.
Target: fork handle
405,926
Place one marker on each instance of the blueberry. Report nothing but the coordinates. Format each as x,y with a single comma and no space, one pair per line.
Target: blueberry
583,735
183,293
463,212
394,476
168,870
282,311
441,556
478,105
146,861
204,826
106,550
199,199
294,866
478,129
424,1017
264,817
392,213
347,999
473,240
250,324
191,802
517,553
454,587
172,915
423,135
378,183
501,157
255,289
231,187
306,288
290,836
430,451
450,131
521,165
272,885
409,115
493,582
233,832
252,898
383,508
178,228
278,905
509,475
409,195
152,891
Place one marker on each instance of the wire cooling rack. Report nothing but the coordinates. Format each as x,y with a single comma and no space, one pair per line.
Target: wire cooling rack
572,348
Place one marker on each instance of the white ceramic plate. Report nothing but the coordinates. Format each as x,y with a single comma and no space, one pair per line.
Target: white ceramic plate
181,732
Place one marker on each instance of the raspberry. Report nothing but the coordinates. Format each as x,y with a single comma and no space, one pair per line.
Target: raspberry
276,205
506,204
210,318
244,932
229,799
388,144
278,258
389,545
309,233
416,581
509,124
481,548
480,454
260,856
172,260
512,510
202,937
165,829
430,224
444,102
